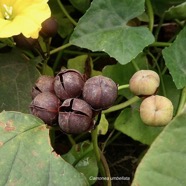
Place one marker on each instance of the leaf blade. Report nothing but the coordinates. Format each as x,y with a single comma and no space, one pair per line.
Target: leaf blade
174,56
17,76
110,32
29,157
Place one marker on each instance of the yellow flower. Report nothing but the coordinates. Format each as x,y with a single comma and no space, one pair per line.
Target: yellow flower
22,16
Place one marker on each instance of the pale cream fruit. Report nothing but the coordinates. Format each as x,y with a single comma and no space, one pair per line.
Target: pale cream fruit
156,110
144,83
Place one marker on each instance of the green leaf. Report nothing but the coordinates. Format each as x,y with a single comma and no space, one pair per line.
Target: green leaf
172,92
104,27
178,12
27,157
17,76
80,63
160,6
83,158
47,70
81,5
130,123
103,125
164,163
174,58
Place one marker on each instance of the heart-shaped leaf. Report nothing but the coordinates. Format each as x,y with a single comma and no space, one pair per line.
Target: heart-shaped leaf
17,76
27,157
174,58
105,27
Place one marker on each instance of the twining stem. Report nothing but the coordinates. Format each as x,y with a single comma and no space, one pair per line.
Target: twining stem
159,27
150,14
160,74
72,141
122,105
66,13
101,162
94,136
113,138
135,65
57,60
106,168
60,48
108,139
182,101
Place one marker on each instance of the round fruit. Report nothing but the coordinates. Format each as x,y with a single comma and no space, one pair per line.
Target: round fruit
144,83
100,92
49,27
68,84
43,84
156,110
45,106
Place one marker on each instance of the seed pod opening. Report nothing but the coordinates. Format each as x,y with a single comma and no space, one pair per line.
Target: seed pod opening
45,106
75,116
43,84
68,84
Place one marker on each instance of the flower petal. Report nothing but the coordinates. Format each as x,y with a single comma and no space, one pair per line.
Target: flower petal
27,17
7,29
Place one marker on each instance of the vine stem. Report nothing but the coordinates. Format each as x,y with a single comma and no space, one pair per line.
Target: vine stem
182,101
106,168
160,73
72,141
123,87
158,28
101,161
60,48
122,105
66,13
135,65
161,44
150,14
94,136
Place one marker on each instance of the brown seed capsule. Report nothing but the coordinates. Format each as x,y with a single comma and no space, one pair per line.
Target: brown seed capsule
75,116
23,42
156,110
49,27
45,106
68,84
100,92
144,83
43,84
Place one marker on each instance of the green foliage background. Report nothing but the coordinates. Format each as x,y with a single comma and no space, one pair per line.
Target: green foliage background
121,30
